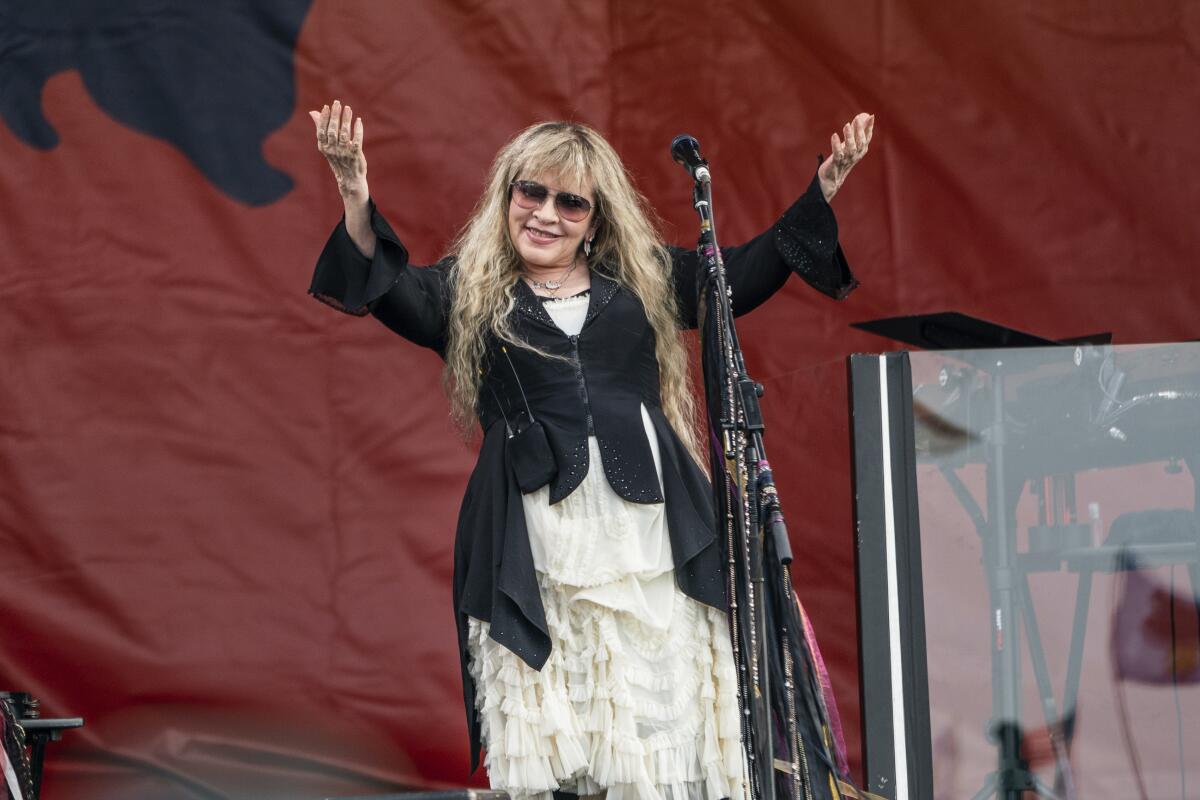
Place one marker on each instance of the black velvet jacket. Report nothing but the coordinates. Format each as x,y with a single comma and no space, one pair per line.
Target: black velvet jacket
612,371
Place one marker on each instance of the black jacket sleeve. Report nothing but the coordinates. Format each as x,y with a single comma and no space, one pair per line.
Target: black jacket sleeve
804,241
412,301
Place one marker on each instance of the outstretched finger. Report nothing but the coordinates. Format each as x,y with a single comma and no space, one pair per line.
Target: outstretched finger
861,132
323,125
334,121
322,121
347,119
848,135
358,133
835,146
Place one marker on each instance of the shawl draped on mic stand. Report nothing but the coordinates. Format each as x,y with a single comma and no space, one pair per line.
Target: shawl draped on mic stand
791,733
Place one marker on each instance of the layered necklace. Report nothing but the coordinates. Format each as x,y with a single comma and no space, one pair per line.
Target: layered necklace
552,286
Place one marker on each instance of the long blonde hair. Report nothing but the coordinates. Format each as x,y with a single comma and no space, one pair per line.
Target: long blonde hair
626,248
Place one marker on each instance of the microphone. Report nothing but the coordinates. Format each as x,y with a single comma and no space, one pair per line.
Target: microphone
686,150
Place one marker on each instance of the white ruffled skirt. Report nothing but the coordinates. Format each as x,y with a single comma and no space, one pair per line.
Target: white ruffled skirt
638,699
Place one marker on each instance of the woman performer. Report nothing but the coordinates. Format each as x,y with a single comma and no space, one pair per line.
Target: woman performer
588,577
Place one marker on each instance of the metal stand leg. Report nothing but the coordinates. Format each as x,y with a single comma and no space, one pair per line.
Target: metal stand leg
1083,599
1054,723
1005,580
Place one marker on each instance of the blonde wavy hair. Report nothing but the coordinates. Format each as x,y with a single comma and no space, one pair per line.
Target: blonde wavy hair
626,248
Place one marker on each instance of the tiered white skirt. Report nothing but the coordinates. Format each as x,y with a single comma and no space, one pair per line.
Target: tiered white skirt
638,699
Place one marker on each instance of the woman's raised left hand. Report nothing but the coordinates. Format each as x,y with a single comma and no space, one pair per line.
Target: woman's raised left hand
847,151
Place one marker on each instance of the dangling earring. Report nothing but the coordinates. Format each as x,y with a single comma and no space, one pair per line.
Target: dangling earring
587,248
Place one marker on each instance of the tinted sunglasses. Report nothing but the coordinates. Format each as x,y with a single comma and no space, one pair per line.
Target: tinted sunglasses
531,194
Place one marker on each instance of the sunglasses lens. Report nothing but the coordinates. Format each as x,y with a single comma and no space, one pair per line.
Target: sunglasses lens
528,194
572,206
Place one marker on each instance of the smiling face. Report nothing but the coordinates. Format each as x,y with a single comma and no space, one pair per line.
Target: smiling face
542,237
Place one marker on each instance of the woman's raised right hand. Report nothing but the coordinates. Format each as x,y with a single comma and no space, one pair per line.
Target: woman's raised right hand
342,149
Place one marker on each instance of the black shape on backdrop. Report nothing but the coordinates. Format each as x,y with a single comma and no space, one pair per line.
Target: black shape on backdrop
214,78
952,330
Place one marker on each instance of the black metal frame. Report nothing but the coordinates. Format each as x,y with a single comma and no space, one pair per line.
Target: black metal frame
897,750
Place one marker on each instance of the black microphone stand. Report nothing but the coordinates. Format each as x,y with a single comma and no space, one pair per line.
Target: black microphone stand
785,715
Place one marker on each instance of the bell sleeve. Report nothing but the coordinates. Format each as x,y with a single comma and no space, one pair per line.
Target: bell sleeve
410,300
803,241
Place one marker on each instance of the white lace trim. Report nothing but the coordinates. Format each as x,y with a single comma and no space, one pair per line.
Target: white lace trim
568,313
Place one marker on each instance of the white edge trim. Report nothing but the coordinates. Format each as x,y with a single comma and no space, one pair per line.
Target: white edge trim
900,753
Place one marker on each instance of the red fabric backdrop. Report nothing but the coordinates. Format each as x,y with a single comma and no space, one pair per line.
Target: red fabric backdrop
226,511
